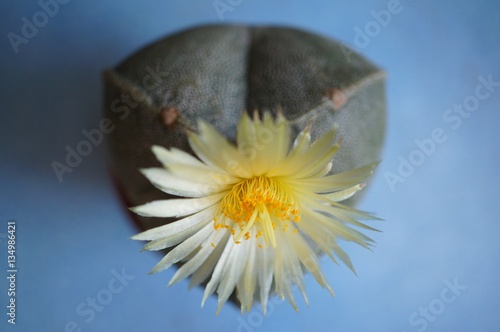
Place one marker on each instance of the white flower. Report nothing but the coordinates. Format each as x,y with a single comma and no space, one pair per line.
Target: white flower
257,215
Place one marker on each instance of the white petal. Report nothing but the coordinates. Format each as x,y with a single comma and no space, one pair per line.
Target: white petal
301,143
177,226
174,239
326,242
188,167
265,259
194,263
248,282
349,211
339,215
219,268
217,152
232,274
201,175
173,155
335,227
335,182
245,133
172,184
313,158
297,274
344,194
323,171
208,266
310,261
282,138
319,237
342,255
183,249
283,282
176,207
318,167
279,274
291,267
270,143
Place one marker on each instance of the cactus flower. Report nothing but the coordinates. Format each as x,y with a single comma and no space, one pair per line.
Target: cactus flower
253,216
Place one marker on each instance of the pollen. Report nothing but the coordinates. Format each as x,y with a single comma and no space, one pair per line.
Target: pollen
255,207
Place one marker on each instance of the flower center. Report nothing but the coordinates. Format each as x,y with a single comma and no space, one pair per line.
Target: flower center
258,203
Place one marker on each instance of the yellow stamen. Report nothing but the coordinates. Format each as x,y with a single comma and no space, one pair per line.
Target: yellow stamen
256,206
248,226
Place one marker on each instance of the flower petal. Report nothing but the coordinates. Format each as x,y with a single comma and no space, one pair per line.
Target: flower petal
341,254
319,167
270,143
173,155
291,264
183,249
208,266
171,184
311,158
351,212
245,135
176,207
326,243
174,239
218,271
301,143
197,174
343,194
336,227
197,260
233,272
283,285
310,261
335,182
338,214
317,235
248,282
265,259
217,152
176,227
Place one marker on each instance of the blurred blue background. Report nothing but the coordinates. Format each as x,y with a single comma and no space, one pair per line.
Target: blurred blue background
435,266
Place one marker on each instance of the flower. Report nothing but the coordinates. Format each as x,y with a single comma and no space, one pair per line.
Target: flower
255,216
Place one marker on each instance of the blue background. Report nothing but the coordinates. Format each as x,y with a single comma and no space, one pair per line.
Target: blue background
440,224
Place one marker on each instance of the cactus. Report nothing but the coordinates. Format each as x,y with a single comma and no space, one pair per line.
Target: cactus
218,72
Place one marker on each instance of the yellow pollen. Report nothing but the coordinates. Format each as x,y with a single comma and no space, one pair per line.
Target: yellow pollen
254,207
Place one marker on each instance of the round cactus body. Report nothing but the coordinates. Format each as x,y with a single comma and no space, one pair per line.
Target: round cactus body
215,73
